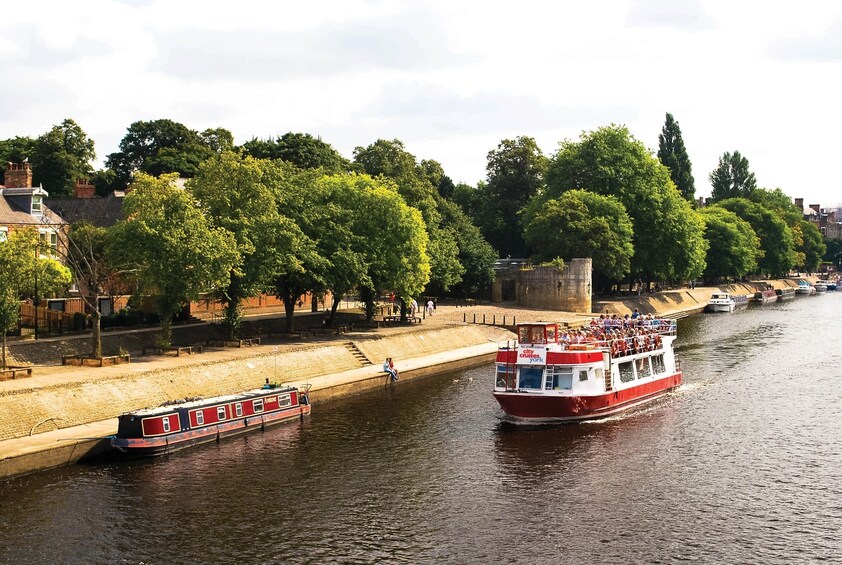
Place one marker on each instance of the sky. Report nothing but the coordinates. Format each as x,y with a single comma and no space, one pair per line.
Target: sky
449,78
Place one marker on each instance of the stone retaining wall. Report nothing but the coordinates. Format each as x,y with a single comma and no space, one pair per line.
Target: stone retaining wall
36,410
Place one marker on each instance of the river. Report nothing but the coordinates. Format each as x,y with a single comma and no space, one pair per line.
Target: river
742,465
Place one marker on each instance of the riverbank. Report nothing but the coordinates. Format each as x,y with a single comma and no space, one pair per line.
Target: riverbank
60,415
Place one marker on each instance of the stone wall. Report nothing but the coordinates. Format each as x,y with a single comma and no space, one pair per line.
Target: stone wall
549,288
130,387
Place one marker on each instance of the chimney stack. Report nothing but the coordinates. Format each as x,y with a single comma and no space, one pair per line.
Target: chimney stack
84,189
799,203
18,175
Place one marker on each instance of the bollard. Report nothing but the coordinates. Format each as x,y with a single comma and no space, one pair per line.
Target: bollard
494,320
483,319
464,317
475,317
504,319
514,320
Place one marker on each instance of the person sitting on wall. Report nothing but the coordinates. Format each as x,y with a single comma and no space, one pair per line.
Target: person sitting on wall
389,367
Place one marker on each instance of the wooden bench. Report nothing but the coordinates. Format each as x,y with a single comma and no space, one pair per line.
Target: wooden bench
15,373
177,349
104,361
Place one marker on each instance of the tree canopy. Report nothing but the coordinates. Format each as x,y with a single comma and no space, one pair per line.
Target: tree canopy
734,248
776,238
61,157
732,178
673,155
171,248
668,234
299,149
581,224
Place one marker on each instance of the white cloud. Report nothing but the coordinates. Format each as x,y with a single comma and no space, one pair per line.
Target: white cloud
450,79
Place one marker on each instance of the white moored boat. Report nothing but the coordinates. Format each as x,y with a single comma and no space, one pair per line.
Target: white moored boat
613,366
721,302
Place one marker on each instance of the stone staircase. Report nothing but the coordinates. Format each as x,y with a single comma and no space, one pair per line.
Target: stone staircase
358,355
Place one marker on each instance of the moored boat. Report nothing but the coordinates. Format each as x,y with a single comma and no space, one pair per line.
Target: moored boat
805,288
171,427
785,293
604,369
765,296
821,286
721,302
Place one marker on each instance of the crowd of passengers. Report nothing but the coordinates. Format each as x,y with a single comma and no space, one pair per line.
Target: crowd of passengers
621,335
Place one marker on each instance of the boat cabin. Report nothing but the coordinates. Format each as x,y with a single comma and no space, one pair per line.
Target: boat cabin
539,333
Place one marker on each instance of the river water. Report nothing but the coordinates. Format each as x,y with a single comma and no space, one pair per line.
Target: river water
742,465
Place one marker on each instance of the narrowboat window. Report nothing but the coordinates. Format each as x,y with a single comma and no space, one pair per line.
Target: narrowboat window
626,372
505,374
583,375
258,405
239,408
559,378
200,417
658,364
220,413
166,423
530,377
284,400
643,368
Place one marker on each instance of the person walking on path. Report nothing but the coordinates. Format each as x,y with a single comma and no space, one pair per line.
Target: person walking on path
430,307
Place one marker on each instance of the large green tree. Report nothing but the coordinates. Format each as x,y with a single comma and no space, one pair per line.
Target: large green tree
515,172
61,157
811,247
164,146
673,155
239,195
734,248
776,237
669,239
169,245
581,224
732,178
299,149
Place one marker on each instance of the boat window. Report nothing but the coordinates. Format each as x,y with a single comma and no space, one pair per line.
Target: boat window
258,405
166,424
284,400
626,372
559,378
220,413
599,374
537,335
505,374
643,369
239,408
583,375
551,334
658,366
200,417
523,334
530,377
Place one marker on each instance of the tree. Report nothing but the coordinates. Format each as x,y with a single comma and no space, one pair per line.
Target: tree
476,255
169,245
581,224
164,146
299,149
732,178
238,195
673,155
92,272
15,150
812,246
61,157
734,248
776,238
668,235
22,267
515,172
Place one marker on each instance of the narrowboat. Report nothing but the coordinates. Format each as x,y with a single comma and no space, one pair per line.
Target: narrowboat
549,376
765,296
174,426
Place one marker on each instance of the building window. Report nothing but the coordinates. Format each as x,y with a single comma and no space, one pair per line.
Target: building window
48,241
4,233
220,413
37,208
258,405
